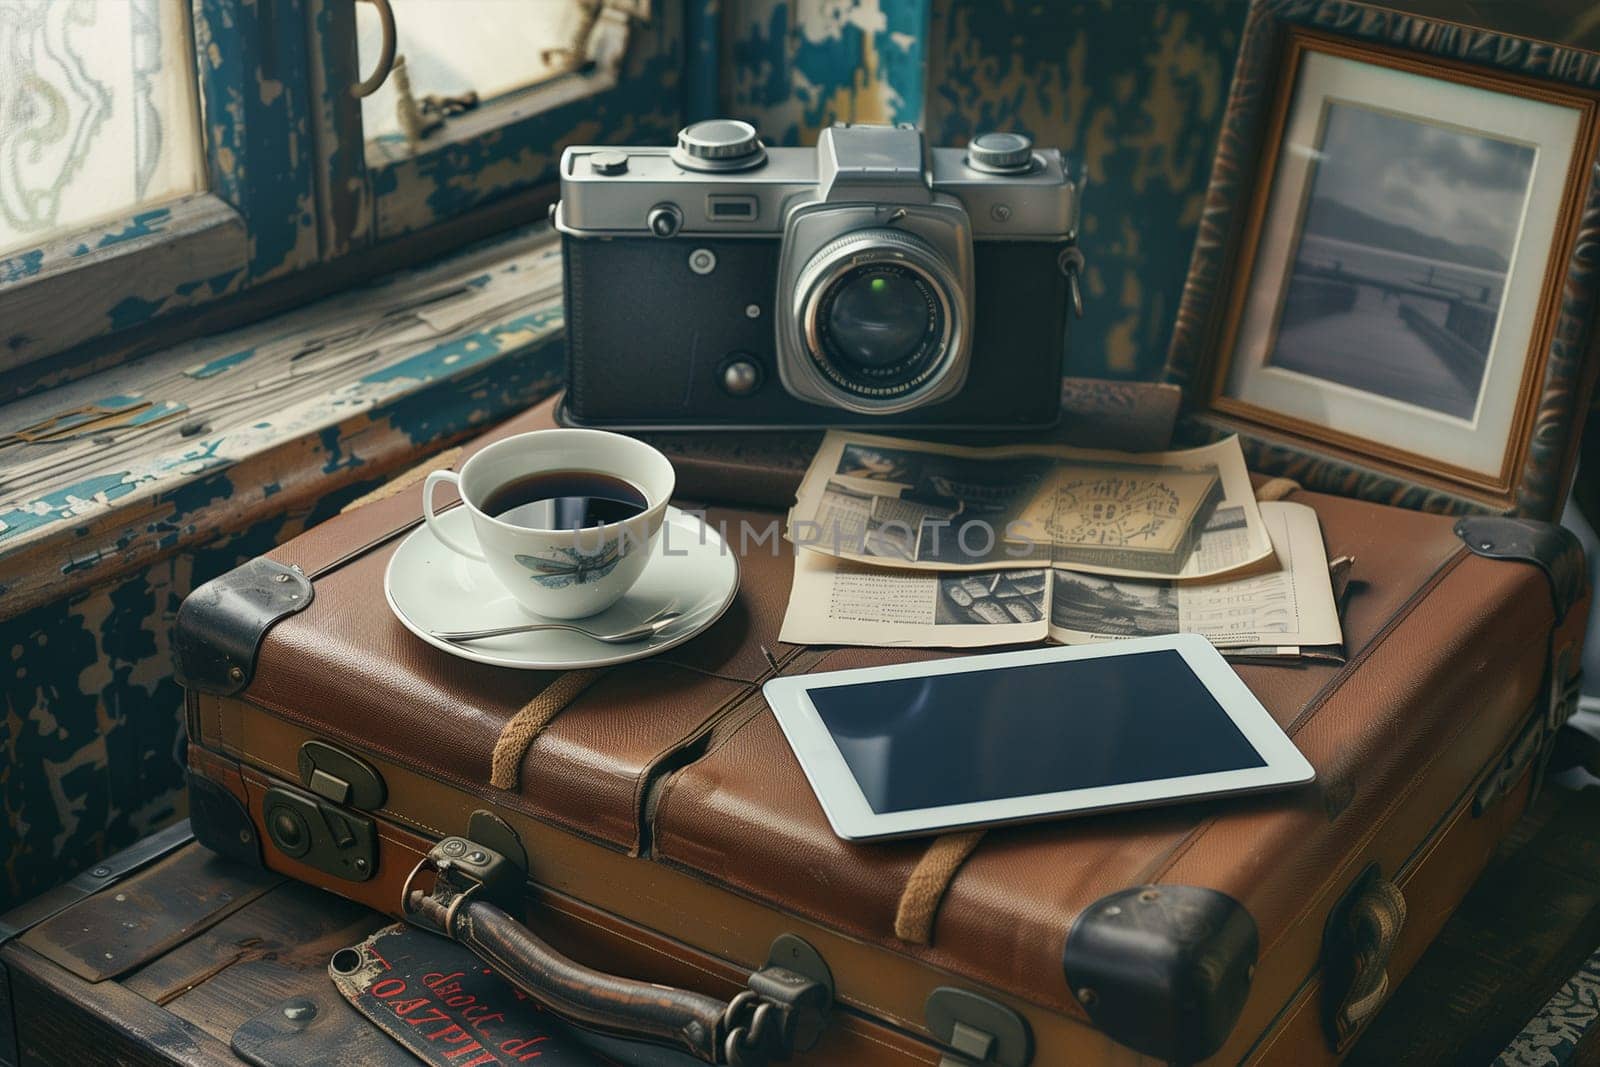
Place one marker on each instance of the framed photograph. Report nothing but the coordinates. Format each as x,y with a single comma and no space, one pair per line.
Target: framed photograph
1394,287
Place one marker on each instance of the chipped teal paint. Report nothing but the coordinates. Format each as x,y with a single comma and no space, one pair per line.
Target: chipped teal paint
60,505
94,410
485,396
453,357
333,446
1132,91
702,55
118,401
799,67
902,56
132,310
62,425
218,283
23,265
91,722
156,412
346,221
214,367
255,85
54,507
145,224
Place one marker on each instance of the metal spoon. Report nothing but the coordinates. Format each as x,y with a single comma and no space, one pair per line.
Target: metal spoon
649,628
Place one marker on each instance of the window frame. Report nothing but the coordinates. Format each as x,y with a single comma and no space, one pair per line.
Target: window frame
163,257
513,143
293,185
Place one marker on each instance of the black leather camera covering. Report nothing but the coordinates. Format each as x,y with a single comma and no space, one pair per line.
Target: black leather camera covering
647,337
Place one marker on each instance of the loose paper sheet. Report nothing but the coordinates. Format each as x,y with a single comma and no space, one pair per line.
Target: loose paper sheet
1185,515
838,601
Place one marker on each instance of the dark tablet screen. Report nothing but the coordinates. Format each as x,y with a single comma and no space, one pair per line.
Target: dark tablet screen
1039,728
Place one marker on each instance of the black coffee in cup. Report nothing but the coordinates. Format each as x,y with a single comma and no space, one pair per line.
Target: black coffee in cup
565,500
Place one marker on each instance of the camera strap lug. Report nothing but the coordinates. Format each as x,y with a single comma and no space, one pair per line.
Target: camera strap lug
1071,262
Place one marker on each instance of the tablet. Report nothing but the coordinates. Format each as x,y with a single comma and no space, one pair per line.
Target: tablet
975,740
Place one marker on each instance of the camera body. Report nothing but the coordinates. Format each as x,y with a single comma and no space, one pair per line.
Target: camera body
868,282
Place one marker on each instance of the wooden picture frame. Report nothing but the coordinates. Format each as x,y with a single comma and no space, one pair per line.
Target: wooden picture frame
1295,388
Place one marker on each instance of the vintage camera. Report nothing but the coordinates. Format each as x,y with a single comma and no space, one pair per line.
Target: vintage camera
868,281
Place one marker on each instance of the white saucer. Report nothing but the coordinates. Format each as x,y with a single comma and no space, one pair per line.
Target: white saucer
429,587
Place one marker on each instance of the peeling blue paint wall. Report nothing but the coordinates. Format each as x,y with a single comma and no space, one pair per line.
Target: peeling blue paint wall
1135,93
796,66
1132,90
90,720
90,717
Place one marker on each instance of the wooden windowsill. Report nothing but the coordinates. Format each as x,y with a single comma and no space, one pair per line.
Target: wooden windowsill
217,433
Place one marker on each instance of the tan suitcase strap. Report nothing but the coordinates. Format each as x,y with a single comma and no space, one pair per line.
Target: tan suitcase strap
1277,488
925,888
522,728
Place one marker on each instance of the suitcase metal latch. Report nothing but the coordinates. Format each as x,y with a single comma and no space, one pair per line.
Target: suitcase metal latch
340,777
463,869
1537,742
977,1031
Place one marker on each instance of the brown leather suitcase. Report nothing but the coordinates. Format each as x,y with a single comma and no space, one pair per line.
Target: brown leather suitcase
659,829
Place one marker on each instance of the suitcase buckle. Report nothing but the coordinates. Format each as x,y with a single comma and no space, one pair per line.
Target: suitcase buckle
462,869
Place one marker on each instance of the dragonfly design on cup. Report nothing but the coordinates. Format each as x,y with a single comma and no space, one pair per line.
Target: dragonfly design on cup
572,567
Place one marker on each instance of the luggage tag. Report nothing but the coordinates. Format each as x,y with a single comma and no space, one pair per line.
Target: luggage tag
439,1001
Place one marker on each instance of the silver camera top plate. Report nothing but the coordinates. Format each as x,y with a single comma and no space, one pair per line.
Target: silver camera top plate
602,196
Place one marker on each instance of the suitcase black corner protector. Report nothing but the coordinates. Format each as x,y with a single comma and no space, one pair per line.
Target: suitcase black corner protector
1554,549
1163,969
220,624
220,822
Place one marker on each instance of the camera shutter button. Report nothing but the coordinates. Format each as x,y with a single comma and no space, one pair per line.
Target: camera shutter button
664,220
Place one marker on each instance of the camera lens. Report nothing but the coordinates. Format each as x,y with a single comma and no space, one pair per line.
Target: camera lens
879,316
877,319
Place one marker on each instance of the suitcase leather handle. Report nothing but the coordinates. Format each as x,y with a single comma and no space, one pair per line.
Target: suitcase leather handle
780,1013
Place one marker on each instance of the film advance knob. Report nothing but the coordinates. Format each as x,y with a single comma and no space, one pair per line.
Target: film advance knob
718,144
1000,153
609,163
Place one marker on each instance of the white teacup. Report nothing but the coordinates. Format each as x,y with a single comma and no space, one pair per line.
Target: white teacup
558,573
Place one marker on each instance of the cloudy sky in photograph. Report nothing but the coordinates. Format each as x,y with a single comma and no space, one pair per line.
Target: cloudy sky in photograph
1460,186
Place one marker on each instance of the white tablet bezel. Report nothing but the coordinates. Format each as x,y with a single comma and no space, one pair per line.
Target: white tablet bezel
852,817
